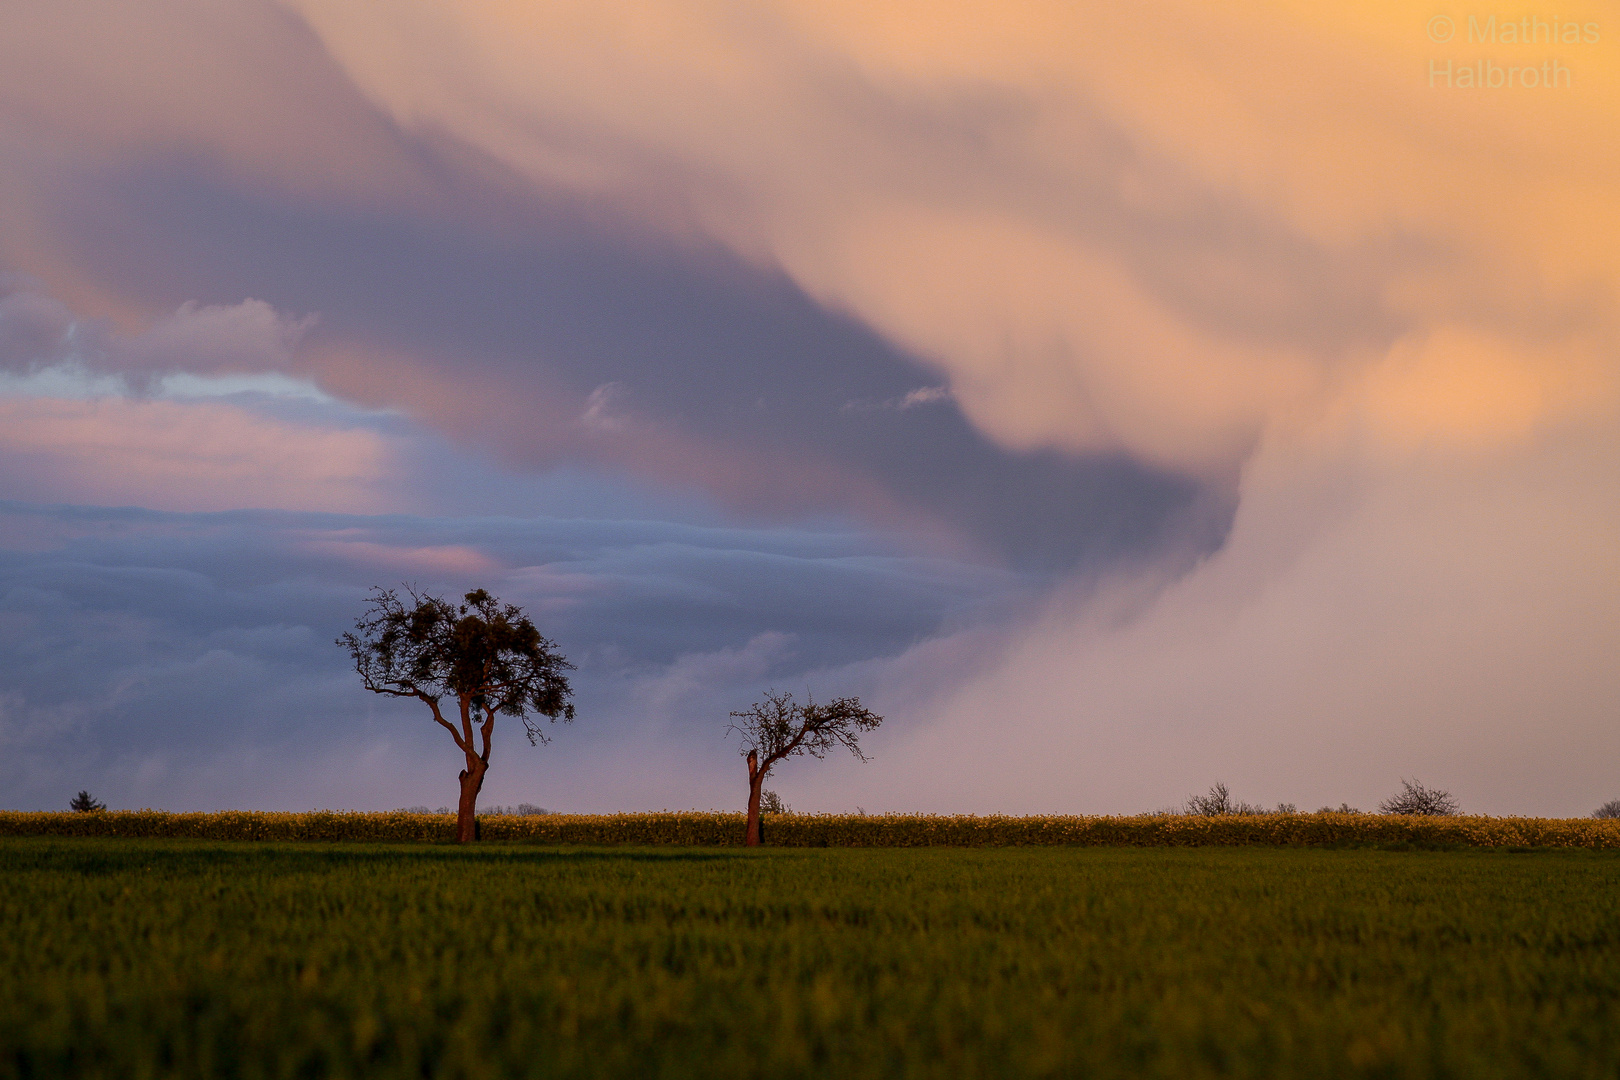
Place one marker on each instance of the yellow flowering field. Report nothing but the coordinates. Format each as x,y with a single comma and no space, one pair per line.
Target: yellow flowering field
711,829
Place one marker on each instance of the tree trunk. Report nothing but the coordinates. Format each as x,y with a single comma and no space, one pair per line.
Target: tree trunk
467,809
756,780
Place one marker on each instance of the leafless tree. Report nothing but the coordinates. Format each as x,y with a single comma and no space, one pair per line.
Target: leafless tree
1415,799
1219,801
778,727
485,656
1610,809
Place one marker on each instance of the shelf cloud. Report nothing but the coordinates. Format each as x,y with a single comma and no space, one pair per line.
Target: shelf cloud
1268,377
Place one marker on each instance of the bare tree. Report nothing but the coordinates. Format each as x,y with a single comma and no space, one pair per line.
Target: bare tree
1610,809
1219,801
485,656
1415,799
778,728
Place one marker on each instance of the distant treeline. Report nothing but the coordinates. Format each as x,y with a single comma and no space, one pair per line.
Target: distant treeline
522,809
711,829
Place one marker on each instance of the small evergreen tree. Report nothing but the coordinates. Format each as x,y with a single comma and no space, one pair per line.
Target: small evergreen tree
85,803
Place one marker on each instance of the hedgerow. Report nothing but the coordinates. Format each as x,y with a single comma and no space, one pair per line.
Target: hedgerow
711,829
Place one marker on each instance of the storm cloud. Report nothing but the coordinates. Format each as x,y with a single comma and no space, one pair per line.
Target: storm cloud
1113,397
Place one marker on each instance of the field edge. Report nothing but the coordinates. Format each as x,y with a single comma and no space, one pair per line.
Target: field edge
718,829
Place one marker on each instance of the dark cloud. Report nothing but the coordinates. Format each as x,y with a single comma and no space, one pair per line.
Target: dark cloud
33,327
559,307
190,645
547,327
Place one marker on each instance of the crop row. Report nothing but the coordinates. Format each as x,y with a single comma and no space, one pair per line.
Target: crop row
839,830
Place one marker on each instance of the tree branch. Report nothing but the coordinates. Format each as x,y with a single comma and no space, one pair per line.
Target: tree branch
433,703
772,759
467,730
488,729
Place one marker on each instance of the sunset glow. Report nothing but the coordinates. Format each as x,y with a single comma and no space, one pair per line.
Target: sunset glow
1155,394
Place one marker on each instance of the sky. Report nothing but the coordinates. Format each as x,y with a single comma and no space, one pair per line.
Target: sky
1118,399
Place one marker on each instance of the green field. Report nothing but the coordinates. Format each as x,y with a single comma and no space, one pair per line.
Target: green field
147,958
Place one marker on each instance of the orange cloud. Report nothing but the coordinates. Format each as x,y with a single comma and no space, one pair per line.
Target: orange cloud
436,559
1218,237
1460,388
185,456
1159,230
1110,228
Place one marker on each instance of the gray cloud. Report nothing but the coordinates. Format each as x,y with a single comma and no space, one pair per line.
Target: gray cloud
39,332
186,660
694,344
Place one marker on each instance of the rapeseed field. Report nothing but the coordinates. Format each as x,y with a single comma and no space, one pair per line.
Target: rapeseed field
187,958
711,828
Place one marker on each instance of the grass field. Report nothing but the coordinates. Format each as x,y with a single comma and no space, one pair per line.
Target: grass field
149,958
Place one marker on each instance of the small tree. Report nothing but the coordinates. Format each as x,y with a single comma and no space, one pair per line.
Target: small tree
85,803
1415,799
485,656
1610,809
1219,802
778,728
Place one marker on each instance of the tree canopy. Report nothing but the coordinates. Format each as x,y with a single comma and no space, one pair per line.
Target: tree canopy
481,650
778,728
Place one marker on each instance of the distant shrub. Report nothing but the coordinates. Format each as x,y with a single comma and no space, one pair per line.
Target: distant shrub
1344,808
85,803
1218,802
771,803
1610,809
522,809
1418,801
